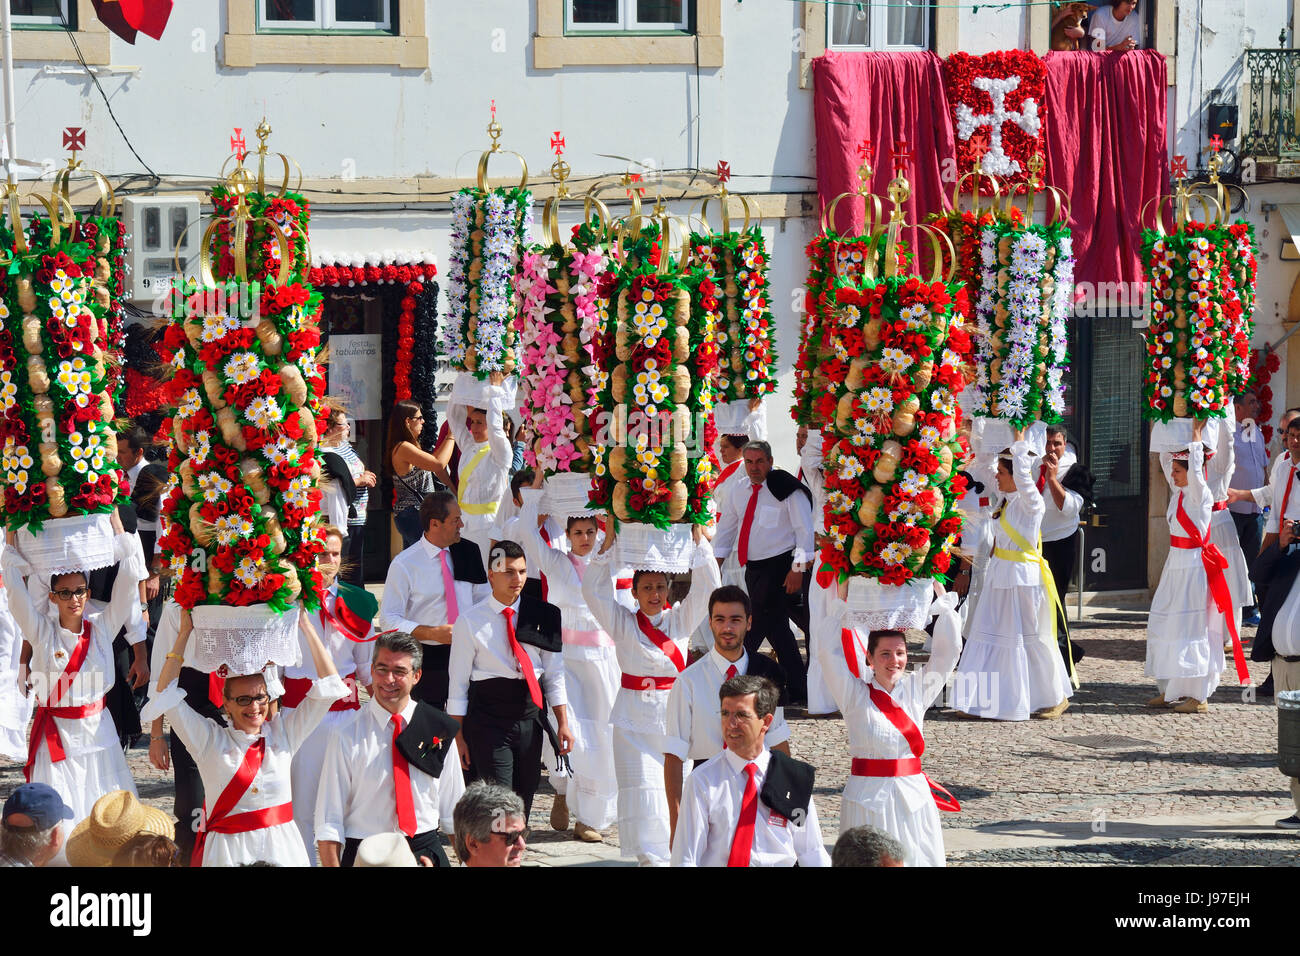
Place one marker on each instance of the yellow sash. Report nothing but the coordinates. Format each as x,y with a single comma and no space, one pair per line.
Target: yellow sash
1029,554
489,508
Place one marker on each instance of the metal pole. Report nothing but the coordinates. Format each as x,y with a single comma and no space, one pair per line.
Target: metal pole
1083,569
11,126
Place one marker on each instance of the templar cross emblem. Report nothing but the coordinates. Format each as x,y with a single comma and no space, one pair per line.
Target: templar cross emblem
996,162
238,144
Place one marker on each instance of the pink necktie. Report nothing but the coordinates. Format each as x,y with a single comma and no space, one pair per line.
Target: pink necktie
448,588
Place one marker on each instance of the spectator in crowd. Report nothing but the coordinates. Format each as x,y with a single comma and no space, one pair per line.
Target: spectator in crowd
1119,25
490,826
352,519
145,480
31,825
148,849
867,846
1066,485
115,819
1252,459
414,469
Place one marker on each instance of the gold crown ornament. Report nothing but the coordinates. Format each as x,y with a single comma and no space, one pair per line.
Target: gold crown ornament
1182,200
551,208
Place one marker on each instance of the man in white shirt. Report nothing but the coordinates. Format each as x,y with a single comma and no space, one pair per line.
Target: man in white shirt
506,668
769,524
486,454
1117,25
1062,479
749,806
343,623
429,586
1251,457
392,766
693,732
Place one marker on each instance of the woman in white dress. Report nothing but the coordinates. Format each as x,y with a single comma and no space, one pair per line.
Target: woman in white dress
651,647
245,765
591,674
72,671
887,788
1182,656
1011,668
15,709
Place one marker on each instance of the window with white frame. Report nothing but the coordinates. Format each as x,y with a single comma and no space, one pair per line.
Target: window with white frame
41,13
296,16
625,16
892,25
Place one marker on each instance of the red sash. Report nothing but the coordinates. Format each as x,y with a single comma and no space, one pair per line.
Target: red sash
660,640
1215,563
622,584
902,768
43,726
633,682
849,641
296,690
728,472
222,821
354,627
546,588
1220,505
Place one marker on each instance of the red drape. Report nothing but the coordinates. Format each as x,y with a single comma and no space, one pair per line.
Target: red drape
1106,147
883,97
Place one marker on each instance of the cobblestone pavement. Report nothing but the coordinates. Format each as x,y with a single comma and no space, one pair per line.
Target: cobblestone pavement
1179,789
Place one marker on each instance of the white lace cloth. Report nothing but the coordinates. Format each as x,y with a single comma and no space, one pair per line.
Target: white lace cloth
989,436
468,390
565,496
644,547
244,639
875,606
1176,434
65,545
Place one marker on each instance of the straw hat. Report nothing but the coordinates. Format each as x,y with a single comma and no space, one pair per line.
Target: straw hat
114,819
385,849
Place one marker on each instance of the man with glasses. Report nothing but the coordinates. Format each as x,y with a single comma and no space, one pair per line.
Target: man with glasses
73,745
491,826
749,806
393,766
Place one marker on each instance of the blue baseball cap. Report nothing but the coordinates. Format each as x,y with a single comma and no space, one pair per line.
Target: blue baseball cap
38,801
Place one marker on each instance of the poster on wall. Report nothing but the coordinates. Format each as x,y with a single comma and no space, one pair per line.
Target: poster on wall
356,373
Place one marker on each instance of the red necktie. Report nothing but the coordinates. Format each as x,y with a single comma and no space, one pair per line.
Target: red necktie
216,690
402,783
1042,477
743,547
525,662
731,672
742,844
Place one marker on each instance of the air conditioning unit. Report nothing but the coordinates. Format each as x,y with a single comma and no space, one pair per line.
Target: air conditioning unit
164,229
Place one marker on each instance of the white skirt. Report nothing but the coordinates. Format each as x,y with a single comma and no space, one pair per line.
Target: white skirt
1223,535
592,791
15,707
642,800
918,830
81,780
281,844
1179,645
1010,666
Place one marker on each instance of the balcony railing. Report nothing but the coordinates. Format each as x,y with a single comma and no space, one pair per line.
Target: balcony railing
1270,131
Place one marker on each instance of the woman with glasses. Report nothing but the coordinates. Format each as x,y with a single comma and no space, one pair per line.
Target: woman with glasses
245,763
414,469
73,746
